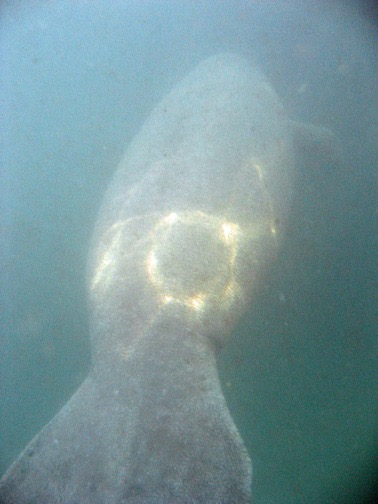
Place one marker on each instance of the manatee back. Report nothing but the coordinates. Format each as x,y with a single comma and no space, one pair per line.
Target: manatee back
215,161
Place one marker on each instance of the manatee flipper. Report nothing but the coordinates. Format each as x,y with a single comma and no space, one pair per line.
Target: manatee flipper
176,257
316,143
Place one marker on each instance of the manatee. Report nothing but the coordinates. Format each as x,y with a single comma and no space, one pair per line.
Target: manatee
189,225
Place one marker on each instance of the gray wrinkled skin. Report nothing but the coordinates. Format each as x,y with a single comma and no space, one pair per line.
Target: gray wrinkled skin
175,258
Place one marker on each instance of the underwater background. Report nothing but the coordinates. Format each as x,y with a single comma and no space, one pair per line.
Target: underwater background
78,80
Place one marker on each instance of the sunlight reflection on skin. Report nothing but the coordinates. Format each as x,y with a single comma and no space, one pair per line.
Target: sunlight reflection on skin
190,256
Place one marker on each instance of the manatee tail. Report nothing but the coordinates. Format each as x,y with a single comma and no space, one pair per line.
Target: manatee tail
150,428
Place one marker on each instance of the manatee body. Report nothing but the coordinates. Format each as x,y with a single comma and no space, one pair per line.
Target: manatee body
187,228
